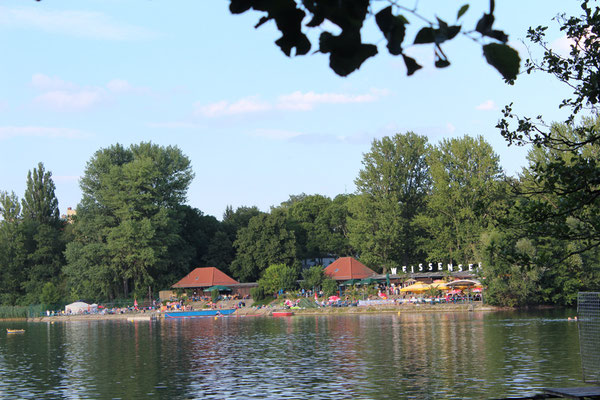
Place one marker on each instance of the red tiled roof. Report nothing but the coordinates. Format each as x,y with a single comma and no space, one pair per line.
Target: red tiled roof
345,268
205,277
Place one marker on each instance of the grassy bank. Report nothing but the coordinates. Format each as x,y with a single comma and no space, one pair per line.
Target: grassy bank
19,312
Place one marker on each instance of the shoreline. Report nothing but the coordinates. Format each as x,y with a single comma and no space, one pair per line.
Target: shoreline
250,311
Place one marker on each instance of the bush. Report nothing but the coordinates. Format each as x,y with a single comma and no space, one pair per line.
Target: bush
329,287
257,293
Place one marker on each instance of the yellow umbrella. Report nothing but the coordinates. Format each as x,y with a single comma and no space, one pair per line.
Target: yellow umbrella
416,288
464,284
439,286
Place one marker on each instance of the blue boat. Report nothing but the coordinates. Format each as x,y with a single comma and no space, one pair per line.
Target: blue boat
199,314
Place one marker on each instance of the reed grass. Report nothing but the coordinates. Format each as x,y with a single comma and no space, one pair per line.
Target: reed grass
10,312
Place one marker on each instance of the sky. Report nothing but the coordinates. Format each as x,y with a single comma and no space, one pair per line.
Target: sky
257,125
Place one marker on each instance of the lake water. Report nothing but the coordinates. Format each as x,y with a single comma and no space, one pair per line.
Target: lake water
411,356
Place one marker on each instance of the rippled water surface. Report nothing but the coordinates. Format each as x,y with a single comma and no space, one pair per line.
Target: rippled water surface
411,356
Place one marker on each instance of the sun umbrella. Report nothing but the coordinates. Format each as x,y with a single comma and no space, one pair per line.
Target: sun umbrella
367,281
416,288
334,298
350,282
464,283
439,286
220,288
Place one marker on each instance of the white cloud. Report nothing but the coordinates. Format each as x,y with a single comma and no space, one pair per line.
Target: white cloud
119,86
562,45
60,95
45,82
450,127
225,108
62,100
7,132
487,105
296,101
93,25
307,101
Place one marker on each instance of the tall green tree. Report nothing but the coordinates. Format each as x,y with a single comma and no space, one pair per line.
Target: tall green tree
572,173
562,254
334,218
39,202
468,187
42,234
309,229
392,188
319,225
32,240
13,253
128,220
265,241
10,208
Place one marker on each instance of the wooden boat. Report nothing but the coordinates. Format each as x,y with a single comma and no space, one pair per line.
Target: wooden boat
200,313
15,330
282,313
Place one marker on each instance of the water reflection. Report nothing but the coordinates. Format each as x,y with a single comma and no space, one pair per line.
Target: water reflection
428,356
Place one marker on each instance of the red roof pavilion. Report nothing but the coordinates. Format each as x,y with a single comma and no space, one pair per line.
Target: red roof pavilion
345,268
205,277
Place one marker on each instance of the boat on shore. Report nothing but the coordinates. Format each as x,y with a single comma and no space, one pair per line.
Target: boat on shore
15,330
199,313
282,313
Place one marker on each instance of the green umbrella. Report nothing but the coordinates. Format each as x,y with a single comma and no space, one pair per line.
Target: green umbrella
350,282
220,288
367,281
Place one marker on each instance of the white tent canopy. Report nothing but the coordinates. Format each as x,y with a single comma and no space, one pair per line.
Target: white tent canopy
79,307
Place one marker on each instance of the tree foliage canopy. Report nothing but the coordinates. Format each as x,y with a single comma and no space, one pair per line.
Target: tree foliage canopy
40,202
265,241
341,25
127,221
392,188
466,178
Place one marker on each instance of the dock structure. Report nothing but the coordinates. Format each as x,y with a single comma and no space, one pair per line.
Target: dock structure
582,393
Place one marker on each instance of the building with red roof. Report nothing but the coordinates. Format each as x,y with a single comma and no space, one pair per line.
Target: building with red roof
345,268
204,278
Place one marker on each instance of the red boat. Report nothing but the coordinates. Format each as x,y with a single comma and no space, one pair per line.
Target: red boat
282,313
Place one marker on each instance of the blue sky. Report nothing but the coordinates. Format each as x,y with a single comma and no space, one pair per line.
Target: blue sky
258,126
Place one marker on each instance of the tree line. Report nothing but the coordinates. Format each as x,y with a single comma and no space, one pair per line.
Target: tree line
133,233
